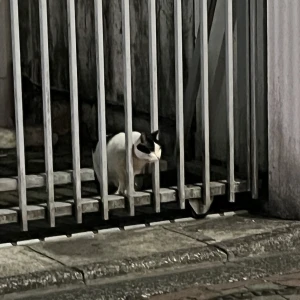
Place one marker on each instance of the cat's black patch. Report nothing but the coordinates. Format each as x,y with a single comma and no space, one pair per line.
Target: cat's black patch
147,142
144,148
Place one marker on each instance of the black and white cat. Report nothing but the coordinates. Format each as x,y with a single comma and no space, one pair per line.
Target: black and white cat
146,149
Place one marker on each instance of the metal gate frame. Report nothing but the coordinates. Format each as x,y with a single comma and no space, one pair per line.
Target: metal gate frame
200,195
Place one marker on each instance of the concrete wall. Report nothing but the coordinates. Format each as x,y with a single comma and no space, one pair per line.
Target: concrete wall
284,107
6,79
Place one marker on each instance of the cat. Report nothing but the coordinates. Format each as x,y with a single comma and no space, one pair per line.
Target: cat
146,149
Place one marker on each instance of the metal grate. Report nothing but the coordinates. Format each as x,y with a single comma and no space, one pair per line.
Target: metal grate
199,194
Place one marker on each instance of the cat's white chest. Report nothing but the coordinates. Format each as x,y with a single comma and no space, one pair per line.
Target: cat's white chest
138,165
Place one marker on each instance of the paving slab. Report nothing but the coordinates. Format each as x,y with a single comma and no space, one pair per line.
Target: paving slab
139,250
115,245
229,228
21,260
22,269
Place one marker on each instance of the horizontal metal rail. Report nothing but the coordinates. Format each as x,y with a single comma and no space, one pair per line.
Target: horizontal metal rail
92,204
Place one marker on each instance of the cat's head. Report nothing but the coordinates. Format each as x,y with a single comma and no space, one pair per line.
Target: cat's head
148,147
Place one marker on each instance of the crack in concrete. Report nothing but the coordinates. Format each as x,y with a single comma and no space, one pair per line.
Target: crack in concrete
59,262
45,255
229,255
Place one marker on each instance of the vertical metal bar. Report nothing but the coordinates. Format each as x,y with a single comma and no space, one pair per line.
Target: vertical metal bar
101,106
19,112
179,103
229,95
47,109
254,161
196,18
153,95
243,57
205,101
74,109
197,137
128,104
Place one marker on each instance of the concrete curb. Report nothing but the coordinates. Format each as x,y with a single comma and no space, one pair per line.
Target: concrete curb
280,240
164,260
247,274
38,280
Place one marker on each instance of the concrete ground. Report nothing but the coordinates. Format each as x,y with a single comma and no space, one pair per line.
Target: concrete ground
278,287
234,256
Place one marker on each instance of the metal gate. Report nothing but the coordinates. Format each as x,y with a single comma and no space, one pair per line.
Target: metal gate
200,195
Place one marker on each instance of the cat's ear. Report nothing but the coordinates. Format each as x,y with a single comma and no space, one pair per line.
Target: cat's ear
143,137
154,135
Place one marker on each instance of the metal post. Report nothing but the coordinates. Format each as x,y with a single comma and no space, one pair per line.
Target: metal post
153,95
204,101
179,103
101,106
47,109
229,95
14,13
74,109
128,104
254,161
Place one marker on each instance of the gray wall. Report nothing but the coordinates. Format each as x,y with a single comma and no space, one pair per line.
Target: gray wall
6,79
284,107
